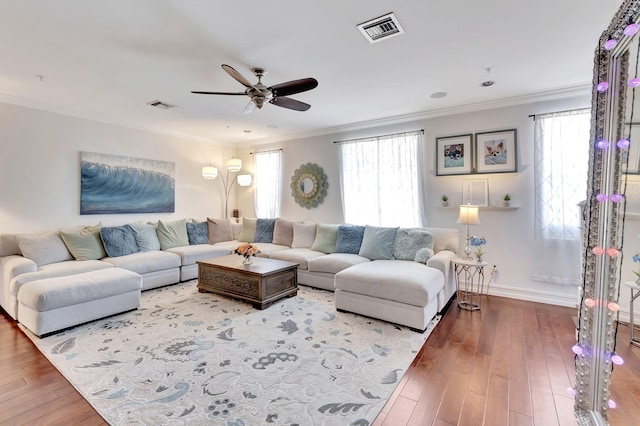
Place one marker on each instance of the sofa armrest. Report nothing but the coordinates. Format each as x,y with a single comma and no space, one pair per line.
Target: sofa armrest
442,261
11,267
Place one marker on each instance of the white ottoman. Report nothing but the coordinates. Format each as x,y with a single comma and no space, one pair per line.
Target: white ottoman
399,291
53,304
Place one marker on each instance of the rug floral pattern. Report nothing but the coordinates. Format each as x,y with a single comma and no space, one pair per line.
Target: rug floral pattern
198,358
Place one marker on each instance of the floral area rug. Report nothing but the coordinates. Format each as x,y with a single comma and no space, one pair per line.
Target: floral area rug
186,357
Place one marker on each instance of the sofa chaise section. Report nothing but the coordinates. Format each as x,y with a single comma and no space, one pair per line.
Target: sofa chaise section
398,291
52,304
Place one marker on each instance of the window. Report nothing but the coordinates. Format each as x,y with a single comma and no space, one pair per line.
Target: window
381,181
561,157
267,169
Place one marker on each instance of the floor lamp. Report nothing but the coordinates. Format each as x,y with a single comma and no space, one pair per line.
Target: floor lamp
468,216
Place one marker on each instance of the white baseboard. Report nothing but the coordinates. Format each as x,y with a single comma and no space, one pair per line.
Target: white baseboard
534,295
551,298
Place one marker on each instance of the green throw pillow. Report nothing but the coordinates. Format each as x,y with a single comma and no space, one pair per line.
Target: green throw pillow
172,234
84,243
248,232
326,237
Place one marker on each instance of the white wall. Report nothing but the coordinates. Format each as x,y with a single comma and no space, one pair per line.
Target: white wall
40,169
509,233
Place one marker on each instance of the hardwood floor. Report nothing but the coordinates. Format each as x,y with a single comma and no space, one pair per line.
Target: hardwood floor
507,364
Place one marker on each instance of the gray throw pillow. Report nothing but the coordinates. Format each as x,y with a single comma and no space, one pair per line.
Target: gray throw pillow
146,236
219,230
198,233
118,240
349,239
264,230
409,241
248,231
283,232
377,242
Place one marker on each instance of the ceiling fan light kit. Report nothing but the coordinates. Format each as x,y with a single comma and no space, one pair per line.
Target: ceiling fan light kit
261,94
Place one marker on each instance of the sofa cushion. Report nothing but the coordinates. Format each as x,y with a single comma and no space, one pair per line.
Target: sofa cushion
84,243
304,234
409,241
402,281
43,248
118,240
192,253
58,269
9,245
335,262
248,231
349,239
377,242
283,232
301,256
264,230
219,230
326,236
145,262
53,293
173,234
198,233
146,236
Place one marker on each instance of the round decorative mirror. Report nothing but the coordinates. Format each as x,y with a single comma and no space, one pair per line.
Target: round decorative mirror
309,185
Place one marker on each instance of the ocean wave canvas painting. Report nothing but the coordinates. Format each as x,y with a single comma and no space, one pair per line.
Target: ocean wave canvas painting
113,184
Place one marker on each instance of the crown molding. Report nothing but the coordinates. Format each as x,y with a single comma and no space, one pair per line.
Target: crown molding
550,95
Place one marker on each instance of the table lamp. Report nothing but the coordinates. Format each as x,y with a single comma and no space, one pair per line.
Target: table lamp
468,216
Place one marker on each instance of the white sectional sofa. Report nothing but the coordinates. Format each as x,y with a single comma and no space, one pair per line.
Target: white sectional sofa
46,278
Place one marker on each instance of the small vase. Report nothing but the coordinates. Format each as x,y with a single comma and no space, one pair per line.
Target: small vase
478,258
247,260
445,204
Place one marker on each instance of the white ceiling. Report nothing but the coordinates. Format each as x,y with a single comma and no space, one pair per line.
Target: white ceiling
104,60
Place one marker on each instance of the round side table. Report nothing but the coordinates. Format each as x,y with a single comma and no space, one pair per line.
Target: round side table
635,292
469,276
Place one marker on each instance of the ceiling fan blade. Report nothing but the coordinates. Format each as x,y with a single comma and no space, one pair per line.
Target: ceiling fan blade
290,104
294,86
235,74
249,108
218,93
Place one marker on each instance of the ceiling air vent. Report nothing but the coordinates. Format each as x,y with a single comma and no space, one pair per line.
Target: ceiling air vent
161,105
381,28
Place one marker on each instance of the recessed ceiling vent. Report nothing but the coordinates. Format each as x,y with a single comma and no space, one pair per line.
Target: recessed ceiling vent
381,28
161,105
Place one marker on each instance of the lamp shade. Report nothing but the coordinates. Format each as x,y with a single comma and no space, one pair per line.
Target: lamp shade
209,172
234,164
468,215
244,180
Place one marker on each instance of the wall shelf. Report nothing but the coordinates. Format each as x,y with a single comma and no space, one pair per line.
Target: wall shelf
484,208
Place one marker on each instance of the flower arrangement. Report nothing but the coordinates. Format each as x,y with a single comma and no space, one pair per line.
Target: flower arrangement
478,242
636,258
247,250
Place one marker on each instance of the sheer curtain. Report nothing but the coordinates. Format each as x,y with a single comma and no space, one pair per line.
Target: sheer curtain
381,180
561,156
267,169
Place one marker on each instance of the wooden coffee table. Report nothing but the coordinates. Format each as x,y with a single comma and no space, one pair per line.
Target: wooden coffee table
261,283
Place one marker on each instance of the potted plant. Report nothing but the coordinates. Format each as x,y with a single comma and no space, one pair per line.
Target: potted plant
445,200
506,200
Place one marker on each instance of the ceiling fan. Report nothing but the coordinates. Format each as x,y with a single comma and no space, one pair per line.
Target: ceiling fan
261,94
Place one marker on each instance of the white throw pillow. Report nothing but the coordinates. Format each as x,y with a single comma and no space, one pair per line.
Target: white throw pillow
304,234
43,248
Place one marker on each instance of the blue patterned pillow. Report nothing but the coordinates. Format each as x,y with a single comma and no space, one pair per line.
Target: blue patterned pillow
349,239
264,230
198,233
118,240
